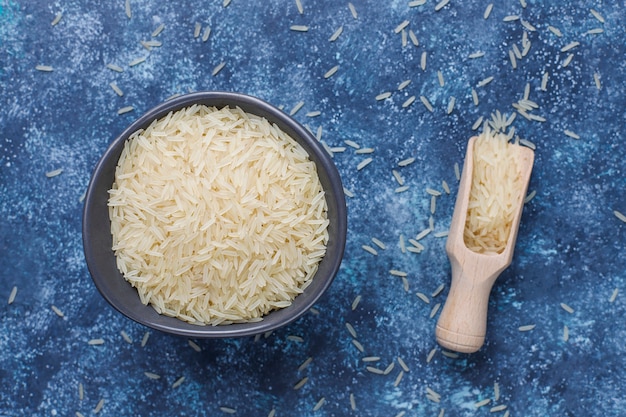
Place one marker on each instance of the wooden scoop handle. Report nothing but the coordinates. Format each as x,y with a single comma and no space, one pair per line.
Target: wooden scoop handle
462,324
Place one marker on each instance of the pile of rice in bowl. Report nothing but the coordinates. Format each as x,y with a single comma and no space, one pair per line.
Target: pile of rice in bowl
217,216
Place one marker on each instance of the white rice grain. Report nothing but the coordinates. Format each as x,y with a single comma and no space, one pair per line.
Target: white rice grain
127,9
571,134
440,79
488,10
115,68
423,297
431,355
565,333
477,54
305,364
56,19
526,327
482,403
597,15
496,391
358,345
95,342
570,46
401,26
194,345
497,408
296,108
406,162
355,302
228,410
336,34
383,96
567,308
351,330
426,103
364,163
126,337
137,61
331,71
596,79
144,339
530,196
117,90
353,10
299,28
620,215
408,102
54,173
178,382
218,68
403,85
396,382
413,38
197,29
12,295
299,7
434,310
423,60
352,401
301,383
158,30
125,109
57,311
319,404
451,102
206,34
44,68
615,291
99,406
441,5
152,375
474,97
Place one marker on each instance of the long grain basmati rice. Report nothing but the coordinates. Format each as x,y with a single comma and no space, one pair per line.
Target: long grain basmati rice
496,190
217,216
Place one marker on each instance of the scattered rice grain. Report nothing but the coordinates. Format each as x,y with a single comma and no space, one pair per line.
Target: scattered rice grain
57,311
358,345
405,162
530,196
596,79
497,408
144,339
401,26
441,5
152,375
351,330
570,46
336,34
352,402
299,28
451,355
299,7
413,38
526,328
426,103
353,10
438,290
571,134
355,302
127,9
363,163
126,337
423,61
615,291
396,382
434,311
488,11
117,90
99,406
482,403
451,105
408,102
126,109
565,333
423,297
218,68
158,30
56,19
378,243
305,364
431,355
12,295
44,68
228,410
137,61
597,15
301,383
178,382
567,308
319,404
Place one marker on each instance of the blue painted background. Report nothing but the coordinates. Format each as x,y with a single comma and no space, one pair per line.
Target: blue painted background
570,249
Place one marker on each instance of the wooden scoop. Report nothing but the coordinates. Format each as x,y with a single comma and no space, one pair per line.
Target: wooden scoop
463,321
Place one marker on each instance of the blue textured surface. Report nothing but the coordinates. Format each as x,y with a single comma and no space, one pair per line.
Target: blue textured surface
570,246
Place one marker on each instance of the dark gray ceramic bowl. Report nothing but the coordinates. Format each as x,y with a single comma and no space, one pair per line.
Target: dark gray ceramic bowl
97,240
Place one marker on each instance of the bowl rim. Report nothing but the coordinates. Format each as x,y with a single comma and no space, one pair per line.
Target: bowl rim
92,242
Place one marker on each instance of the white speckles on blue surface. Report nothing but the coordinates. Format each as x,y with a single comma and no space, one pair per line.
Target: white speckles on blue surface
570,245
